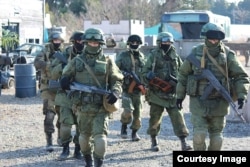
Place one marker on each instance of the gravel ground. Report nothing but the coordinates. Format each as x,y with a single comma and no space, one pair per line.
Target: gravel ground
22,140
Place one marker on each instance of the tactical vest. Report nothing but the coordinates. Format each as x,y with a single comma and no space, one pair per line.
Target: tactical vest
196,87
164,66
99,67
127,66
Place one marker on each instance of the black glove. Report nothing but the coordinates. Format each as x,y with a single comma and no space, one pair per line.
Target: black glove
112,97
179,103
240,103
150,75
65,83
63,65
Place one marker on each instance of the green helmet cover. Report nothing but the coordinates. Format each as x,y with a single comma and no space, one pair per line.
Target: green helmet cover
56,35
212,31
94,34
165,37
77,35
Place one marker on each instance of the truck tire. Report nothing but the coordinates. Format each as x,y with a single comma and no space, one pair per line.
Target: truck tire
10,84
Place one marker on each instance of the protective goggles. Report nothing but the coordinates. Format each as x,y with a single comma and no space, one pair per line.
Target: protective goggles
93,36
56,36
165,39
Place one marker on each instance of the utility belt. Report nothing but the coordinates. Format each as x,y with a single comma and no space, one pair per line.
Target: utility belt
92,98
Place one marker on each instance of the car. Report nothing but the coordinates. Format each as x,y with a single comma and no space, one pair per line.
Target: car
25,53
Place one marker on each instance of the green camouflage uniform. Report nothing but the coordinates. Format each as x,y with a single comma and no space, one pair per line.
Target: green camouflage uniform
91,116
209,115
157,99
132,103
45,62
67,117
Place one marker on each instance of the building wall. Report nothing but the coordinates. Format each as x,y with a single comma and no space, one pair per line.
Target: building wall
123,29
28,14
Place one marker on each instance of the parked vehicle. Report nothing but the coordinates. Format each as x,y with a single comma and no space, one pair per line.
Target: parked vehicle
7,80
25,53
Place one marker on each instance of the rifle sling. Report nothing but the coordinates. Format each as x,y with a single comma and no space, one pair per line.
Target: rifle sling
215,63
218,66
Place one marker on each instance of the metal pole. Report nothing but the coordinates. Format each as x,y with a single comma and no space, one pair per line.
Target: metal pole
43,21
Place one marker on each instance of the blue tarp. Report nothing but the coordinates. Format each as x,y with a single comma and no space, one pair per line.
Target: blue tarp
155,29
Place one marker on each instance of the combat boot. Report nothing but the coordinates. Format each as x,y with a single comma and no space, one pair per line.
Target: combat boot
124,133
135,136
65,153
77,152
49,146
88,160
154,145
184,145
98,162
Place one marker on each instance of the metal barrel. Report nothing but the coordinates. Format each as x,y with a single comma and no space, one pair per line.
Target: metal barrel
25,80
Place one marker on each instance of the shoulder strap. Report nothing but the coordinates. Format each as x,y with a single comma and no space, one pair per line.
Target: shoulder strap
215,62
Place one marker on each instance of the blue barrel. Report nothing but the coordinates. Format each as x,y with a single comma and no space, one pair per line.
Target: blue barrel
25,80
0,82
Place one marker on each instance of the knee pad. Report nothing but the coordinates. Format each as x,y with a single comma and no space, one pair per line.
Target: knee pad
100,145
215,142
199,141
48,122
85,143
126,117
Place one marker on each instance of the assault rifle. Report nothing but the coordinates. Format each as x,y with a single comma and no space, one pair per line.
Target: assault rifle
89,89
136,82
60,57
214,84
165,86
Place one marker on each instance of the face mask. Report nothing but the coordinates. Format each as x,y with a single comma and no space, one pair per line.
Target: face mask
165,47
133,47
56,45
93,50
79,47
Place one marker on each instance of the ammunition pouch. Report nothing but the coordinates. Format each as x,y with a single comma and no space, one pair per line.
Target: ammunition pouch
192,84
92,98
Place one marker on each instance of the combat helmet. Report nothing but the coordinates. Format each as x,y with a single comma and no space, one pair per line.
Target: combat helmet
93,34
77,35
212,31
165,37
56,35
133,38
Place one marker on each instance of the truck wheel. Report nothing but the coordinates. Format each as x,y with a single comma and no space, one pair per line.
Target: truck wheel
10,84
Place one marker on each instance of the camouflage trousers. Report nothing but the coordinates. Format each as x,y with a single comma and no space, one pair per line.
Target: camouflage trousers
176,117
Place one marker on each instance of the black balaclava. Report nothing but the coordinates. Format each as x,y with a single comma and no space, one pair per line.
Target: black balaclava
165,47
56,46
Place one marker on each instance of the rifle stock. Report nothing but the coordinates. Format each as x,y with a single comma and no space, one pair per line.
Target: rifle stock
165,86
135,83
214,84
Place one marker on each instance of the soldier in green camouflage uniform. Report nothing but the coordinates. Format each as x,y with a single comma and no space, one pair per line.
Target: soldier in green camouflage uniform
67,117
128,61
164,63
208,116
92,117
43,63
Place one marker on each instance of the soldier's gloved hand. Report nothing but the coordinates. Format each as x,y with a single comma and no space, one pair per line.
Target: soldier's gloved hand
179,103
150,75
240,103
113,97
63,65
65,83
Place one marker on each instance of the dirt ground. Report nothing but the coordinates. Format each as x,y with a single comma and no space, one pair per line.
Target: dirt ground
23,140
